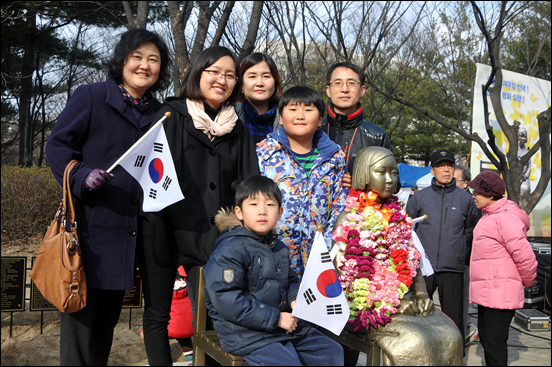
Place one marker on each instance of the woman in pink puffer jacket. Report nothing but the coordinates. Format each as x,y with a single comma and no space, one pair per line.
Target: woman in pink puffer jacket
502,263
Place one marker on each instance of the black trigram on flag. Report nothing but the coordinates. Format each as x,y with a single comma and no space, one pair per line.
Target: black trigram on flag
153,194
309,296
325,257
158,147
167,183
334,309
139,161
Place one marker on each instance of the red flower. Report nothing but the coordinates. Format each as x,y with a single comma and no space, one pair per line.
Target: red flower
355,193
399,256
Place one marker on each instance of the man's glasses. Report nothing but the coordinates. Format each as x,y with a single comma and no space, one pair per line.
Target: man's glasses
217,75
340,83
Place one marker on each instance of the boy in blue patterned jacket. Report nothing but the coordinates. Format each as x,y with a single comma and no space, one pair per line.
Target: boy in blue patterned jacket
308,168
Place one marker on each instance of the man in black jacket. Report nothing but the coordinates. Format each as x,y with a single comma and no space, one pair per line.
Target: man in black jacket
445,234
346,126
344,123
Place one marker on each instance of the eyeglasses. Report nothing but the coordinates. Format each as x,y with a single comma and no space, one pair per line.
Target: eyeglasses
217,75
339,84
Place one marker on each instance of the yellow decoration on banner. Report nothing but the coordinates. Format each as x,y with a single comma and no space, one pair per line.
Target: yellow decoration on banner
531,176
535,133
533,98
498,136
479,156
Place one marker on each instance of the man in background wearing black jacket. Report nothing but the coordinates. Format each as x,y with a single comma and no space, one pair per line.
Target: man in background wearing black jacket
445,234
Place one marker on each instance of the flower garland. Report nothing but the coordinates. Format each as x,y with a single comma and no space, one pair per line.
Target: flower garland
379,259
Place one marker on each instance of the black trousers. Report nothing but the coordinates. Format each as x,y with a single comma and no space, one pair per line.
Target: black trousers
451,295
157,286
494,328
87,335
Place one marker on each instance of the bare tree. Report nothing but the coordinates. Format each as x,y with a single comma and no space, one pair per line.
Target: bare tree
209,13
252,30
141,19
508,163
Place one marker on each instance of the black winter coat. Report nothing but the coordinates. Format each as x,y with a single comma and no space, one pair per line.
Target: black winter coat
352,133
447,232
185,232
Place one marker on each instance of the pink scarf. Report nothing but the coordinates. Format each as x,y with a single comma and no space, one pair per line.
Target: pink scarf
223,124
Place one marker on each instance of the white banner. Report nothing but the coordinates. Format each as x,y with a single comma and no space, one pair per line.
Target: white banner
523,98
425,265
321,299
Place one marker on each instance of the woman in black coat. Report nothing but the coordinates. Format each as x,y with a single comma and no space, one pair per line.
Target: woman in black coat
211,149
100,122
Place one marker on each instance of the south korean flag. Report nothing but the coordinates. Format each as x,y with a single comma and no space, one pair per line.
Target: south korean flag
150,162
321,300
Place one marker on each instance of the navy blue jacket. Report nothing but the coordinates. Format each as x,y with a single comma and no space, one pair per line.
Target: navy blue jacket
447,232
259,284
96,128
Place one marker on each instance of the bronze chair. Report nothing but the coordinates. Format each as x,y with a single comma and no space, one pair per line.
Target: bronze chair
206,341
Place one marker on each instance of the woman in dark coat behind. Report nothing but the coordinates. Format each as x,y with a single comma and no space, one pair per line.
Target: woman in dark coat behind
100,122
211,149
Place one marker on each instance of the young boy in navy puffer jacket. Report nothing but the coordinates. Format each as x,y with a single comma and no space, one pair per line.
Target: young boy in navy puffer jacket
250,288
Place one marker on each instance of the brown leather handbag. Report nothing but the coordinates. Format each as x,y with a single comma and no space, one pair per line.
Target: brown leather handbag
57,270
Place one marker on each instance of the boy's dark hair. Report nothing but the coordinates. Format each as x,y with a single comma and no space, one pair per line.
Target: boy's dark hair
190,87
302,95
130,41
256,58
347,65
254,185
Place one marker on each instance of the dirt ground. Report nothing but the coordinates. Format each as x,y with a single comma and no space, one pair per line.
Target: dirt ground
28,347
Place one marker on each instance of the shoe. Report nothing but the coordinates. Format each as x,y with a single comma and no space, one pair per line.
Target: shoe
473,334
189,358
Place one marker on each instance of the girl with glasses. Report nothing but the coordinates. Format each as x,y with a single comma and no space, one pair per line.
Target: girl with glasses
211,148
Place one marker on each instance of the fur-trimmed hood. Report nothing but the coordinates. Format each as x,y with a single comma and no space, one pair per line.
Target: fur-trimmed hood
226,220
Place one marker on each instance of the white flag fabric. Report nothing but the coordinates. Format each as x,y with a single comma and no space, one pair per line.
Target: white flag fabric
425,265
150,163
321,299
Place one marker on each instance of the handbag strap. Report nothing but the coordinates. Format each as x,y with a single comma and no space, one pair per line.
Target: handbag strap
67,199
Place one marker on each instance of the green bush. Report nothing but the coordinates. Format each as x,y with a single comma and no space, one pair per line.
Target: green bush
30,198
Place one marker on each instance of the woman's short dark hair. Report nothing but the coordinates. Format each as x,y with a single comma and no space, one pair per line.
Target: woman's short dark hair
349,65
302,95
256,58
190,87
257,184
130,41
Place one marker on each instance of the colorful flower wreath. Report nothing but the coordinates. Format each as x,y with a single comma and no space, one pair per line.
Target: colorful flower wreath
379,258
